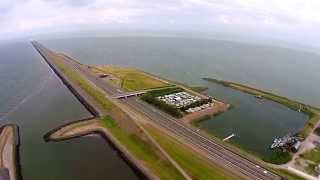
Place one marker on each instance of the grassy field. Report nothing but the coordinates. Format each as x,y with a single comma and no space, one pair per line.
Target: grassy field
143,151
84,84
131,79
312,155
193,164
312,112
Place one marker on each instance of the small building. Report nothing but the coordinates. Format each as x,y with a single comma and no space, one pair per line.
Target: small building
295,147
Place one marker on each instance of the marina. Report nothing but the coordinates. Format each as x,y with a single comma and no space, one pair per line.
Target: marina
286,143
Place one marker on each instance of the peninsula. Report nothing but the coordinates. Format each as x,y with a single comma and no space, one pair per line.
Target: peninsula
143,116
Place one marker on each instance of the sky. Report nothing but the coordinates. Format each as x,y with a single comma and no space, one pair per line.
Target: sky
290,20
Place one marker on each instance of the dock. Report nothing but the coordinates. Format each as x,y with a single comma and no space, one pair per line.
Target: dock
229,137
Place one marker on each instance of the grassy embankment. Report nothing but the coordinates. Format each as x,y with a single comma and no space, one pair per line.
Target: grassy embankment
191,162
198,89
312,112
130,79
73,76
141,149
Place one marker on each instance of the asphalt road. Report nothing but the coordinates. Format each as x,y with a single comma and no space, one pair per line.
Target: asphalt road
187,134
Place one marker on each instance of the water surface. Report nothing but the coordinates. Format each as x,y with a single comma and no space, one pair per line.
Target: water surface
34,98
283,71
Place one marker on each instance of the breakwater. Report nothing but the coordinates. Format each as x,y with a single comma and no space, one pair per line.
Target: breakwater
140,170
112,142
67,82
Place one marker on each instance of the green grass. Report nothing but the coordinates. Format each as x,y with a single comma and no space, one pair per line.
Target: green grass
288,175
142,150
84,84
161,92
132,79
310,169
310,124
195,166
198,89
312,155
278,157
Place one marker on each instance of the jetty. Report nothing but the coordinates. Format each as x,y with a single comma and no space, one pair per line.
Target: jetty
229,137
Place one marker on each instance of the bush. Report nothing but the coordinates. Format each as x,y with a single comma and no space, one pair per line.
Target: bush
278,157
162,92
162,105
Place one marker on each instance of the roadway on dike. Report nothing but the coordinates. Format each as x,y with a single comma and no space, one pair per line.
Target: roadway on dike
187,134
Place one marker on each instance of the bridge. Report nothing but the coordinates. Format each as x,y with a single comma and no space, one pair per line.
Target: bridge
121,94
129,94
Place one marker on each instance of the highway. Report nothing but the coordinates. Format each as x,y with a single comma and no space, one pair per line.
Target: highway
184,132
213,150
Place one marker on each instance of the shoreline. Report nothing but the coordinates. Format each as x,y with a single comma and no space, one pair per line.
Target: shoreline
102,133
10,157
75,91
135,115
312,112
96,112
216,109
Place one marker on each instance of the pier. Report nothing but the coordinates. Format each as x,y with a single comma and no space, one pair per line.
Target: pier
229,137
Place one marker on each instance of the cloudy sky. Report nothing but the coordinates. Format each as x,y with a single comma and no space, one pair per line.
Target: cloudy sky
296,20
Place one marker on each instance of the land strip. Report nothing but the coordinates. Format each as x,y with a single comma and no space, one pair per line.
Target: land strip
9,166
194,164
184,133
127,137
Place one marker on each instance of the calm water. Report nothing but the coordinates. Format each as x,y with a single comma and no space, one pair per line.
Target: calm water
283,71
34,98
254,121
